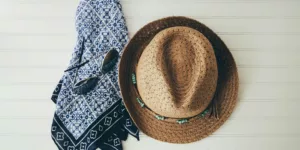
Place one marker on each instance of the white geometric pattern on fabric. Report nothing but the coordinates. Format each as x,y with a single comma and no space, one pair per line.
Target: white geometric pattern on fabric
86,122
104,30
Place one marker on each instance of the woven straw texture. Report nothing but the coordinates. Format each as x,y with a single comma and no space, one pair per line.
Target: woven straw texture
227,82
177,73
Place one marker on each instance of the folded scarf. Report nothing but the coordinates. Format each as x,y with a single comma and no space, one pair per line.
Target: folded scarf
98,118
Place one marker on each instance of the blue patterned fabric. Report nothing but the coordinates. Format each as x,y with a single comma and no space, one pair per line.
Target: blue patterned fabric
97,119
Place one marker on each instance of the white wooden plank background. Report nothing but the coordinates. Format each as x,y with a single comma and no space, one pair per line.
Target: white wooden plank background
37,38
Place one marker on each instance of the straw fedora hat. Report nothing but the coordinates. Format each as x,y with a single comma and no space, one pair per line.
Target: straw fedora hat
178,80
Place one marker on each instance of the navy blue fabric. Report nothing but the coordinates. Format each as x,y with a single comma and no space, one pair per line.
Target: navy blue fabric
97,119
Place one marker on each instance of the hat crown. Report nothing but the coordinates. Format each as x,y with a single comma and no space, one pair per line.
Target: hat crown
177,73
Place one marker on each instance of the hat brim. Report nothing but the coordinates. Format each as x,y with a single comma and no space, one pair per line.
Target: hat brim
195,129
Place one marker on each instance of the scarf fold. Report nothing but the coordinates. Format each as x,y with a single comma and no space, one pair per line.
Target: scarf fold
97,119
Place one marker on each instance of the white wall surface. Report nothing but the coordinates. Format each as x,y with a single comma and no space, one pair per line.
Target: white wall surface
37,38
